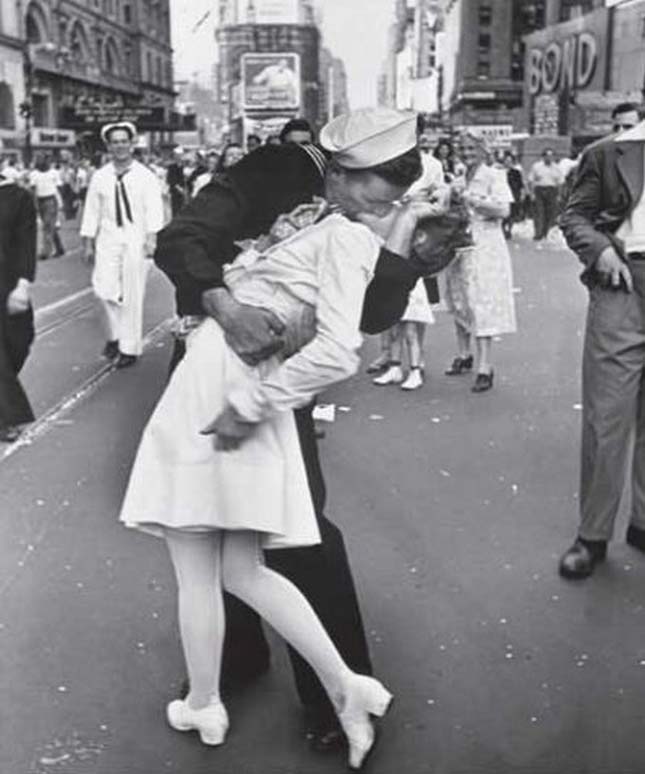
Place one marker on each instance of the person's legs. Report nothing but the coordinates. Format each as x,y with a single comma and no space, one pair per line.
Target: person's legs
135,274
47,212
551,209
638,464
323,575
16,334
286,609
282,605
410,335
385,355
463,342
613,361
536,213
196,559
484,346
394,373
111,319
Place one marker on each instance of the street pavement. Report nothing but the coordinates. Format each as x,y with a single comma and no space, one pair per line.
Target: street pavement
455,508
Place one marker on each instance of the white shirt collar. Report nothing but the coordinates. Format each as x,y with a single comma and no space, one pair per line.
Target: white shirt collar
637,134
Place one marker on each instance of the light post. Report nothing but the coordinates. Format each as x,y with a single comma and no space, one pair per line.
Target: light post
26,108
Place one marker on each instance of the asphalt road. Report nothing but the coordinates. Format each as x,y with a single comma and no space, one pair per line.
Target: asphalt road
455,508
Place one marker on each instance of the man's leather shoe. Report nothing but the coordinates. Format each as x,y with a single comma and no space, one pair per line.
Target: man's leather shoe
636,537
580,560
327,741
125,361
324,733
111,350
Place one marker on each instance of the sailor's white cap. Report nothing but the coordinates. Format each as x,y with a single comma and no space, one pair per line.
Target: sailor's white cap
371,136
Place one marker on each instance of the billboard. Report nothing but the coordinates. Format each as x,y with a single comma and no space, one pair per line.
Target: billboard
276,12
271,81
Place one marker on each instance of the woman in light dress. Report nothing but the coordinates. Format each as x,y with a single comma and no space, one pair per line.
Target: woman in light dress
219,504
479,283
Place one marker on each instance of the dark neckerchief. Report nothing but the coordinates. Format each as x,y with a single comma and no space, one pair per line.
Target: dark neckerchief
120,193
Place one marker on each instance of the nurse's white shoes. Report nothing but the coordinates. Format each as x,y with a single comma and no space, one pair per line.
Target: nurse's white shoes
210,722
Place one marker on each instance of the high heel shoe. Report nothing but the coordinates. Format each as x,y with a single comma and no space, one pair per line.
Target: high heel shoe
460,365
483,382
211,722
363,698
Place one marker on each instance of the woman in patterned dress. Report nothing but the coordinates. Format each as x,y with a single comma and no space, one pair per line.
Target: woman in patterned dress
479,283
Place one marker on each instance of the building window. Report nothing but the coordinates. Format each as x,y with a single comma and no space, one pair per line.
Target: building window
111,61
127,14
483,68
78,44
40,107
36,24
7,108
149,72
572,9
485,14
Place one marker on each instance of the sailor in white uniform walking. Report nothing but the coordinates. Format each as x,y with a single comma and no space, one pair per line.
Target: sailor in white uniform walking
123,213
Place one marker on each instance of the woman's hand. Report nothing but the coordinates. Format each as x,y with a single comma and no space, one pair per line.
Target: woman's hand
230,430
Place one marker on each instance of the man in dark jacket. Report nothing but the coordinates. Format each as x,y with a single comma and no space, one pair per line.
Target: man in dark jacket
604,223
17,270
192,251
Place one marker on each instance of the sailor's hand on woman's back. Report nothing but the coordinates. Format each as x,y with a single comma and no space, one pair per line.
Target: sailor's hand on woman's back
254,334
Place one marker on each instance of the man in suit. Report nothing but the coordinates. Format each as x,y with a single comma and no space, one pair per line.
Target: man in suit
17,271
604,223
191,250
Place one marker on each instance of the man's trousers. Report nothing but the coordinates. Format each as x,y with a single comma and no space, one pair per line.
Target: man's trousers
613,387
16,337
545,210
119,281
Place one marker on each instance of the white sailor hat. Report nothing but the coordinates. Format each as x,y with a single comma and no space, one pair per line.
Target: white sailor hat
371,136
129,127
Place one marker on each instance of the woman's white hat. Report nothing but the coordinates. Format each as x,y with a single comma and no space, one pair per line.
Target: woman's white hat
371,136
129,127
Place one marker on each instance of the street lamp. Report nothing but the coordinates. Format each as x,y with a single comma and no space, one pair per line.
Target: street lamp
26,108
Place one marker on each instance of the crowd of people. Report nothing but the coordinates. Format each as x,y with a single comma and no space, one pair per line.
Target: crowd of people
281,258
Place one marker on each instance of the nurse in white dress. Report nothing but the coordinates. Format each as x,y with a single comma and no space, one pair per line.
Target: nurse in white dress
479,283
122,215
219,504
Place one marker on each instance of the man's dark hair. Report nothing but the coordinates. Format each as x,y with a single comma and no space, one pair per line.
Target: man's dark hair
402,170
296,125
624,107
119,128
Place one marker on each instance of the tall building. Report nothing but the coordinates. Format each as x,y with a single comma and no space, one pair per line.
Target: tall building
85,63
333,86
481,56
12,83
409,75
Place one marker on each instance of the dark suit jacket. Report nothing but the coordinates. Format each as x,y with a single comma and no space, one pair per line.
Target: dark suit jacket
607,187
17,236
